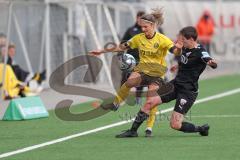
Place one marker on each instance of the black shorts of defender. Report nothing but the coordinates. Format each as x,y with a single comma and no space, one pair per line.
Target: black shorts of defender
184,99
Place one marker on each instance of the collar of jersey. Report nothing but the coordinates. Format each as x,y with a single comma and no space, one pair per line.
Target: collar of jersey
152,36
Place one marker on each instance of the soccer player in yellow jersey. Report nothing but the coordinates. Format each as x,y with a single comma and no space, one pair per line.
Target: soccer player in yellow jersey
153,48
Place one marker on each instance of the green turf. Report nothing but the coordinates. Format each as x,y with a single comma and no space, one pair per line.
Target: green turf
223,142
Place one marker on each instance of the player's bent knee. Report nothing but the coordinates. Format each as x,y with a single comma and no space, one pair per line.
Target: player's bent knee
148,105
154,100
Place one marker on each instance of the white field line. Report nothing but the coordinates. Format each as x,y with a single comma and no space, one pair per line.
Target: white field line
215,116
26,149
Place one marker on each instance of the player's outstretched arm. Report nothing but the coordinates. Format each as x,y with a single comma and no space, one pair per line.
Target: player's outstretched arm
119,48
177,48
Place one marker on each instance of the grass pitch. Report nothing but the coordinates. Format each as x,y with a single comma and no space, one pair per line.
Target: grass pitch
223,116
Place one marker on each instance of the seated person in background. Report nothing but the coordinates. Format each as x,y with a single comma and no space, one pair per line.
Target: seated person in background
11,86
3,40
20,73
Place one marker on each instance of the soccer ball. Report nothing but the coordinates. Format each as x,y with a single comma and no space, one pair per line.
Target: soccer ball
127,62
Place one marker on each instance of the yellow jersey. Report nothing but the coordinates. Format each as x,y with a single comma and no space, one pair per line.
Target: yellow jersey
10,82
152,53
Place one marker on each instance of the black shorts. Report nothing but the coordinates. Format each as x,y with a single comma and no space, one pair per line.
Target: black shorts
184,99
147,80
125,76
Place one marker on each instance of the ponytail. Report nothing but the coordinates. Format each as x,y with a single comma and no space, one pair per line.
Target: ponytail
155,17
158,15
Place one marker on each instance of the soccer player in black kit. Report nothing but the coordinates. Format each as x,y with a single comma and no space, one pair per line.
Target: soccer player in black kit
184,88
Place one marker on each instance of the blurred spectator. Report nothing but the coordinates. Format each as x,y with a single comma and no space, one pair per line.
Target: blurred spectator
132,31
3,41
12,87
205,29
160,30
20,73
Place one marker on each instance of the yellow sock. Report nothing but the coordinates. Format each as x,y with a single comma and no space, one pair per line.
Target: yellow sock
36,77
152,116
121,94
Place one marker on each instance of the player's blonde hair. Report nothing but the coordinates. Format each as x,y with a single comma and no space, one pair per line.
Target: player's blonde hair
155,17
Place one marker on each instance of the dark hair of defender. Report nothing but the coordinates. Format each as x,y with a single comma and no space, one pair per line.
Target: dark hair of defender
189,32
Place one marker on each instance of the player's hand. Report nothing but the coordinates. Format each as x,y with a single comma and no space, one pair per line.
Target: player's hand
20,86
212,63
95,52
174,68
179,42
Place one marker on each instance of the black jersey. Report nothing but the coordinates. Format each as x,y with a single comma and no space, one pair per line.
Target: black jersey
192,64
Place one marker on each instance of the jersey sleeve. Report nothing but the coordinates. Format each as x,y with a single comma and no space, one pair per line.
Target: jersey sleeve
133,42
167,43
205,56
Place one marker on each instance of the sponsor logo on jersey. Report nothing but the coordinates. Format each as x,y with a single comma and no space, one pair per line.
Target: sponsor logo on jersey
184,59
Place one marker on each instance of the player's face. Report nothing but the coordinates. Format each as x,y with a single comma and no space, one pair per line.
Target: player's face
147,28
3,51
3,41
187,43
11,52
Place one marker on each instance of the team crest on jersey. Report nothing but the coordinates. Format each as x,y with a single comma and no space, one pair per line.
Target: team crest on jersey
156,45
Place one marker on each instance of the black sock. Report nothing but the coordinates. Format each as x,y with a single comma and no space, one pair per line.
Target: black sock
141,117
139,91
189,127
21,94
